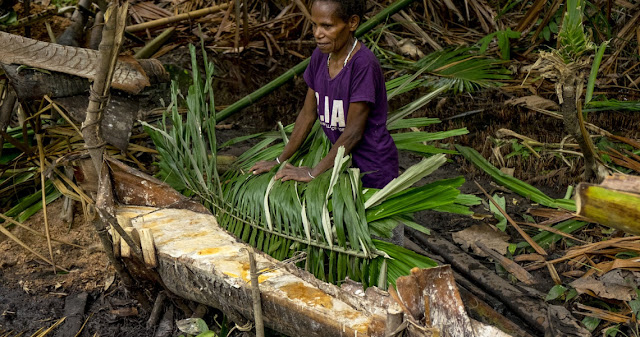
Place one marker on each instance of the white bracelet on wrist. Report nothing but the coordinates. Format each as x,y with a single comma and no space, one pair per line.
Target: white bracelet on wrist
309,173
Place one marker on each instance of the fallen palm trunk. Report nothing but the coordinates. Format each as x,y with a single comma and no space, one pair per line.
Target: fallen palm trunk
544,318
614,203
129,75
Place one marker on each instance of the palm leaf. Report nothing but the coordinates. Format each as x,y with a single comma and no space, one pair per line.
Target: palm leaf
331,218
572,40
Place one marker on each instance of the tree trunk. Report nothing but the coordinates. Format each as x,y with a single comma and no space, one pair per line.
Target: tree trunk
593,169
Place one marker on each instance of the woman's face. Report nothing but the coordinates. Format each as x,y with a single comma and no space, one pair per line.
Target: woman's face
330,31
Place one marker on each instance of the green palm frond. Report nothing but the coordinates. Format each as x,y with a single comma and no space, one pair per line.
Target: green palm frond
613,104
332,218
461,69
572,39
458,70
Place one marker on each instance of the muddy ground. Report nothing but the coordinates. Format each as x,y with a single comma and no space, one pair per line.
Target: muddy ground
32,297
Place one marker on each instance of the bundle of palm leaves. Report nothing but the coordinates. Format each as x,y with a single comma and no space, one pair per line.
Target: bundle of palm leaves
333,219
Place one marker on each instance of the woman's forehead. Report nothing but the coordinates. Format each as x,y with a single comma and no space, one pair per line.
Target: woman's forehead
325,11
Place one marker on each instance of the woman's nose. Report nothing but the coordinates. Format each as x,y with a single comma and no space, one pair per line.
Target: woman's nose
317,32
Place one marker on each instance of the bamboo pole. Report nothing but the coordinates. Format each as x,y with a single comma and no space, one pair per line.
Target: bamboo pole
255,294
180,17
616,209
154,44
300,67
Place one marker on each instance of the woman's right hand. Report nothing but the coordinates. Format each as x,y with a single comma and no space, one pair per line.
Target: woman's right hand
263,166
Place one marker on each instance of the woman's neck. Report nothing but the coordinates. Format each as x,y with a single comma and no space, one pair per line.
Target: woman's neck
342,53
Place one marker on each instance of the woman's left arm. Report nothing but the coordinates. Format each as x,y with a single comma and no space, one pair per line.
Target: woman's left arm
353,132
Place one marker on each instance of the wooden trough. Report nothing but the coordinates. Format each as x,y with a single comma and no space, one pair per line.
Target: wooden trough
198,260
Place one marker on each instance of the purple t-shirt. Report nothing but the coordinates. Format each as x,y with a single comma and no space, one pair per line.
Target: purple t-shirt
360,81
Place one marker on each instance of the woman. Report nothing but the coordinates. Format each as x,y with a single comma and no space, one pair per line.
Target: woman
347,93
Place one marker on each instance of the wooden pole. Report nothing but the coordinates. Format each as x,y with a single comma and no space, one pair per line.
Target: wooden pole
255,294
180,17
112,38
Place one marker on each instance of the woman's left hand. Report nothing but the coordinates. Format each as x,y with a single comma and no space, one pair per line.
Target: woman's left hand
290,172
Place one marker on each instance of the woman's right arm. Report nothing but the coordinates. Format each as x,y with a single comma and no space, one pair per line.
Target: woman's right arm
304,122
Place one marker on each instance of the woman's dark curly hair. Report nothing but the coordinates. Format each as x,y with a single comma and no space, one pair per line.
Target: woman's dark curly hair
347,8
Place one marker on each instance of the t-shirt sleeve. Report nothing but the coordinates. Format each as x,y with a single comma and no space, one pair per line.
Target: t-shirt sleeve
363,84
309,73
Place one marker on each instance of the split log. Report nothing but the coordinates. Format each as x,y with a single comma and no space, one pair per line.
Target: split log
148,248
199,261
129,74
615,203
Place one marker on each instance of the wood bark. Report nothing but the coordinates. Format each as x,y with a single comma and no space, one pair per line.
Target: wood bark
480,305
128,74
622,182
574,126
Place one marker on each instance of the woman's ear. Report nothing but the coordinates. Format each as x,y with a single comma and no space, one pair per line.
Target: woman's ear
354,22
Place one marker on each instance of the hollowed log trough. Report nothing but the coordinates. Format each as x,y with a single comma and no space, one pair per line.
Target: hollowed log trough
201,262
198,260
